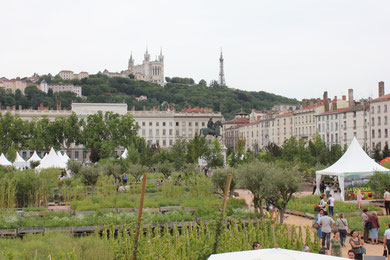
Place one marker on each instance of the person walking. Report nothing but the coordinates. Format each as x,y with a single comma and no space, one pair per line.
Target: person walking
359,198
386,243
327,190
386,198
331,204
366,223
342,227
314,187
326,223
374,228
322,204
317,226
335,244
356,244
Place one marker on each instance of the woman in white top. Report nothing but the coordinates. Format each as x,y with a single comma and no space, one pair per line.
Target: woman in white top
322,204
387,243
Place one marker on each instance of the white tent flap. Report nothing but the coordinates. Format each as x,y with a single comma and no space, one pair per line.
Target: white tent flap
4,161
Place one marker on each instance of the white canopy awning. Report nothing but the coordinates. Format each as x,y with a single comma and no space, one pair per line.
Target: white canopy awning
4,161
354,162
51,160
19,162
34,157
271,254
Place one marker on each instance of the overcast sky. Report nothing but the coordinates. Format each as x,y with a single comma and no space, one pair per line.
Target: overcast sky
295,48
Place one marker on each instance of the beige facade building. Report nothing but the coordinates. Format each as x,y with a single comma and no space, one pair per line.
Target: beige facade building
69,75
14,84
379,119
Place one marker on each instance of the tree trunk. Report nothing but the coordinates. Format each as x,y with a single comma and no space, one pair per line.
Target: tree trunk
260,203
281,217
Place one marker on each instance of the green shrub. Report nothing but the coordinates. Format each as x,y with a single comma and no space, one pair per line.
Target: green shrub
89,175
74,165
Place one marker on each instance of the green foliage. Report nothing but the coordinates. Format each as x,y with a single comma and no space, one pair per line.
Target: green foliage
307,203
137,170
89,175
214,155
34,164
220,176
178,151
74,166
196,148
165,168
378,182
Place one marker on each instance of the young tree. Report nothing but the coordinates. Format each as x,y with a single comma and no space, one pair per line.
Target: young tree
196,148
377,153
72,131
281,184
252,177
178,153
214,157
386,151
219,178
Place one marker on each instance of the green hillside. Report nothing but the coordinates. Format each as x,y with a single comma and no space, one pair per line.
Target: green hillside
100,88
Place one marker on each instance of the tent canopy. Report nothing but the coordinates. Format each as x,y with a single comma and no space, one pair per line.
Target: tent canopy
124,154
271,254
51,160
19,162
4,161
34,157
354,161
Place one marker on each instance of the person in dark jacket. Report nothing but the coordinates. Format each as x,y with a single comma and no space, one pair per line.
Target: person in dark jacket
374,228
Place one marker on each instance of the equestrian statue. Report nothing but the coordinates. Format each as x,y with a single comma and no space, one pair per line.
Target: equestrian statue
213,129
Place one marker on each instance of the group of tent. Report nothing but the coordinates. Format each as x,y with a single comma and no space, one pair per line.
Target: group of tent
52,159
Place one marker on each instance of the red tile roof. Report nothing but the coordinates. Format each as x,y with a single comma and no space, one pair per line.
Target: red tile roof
382,98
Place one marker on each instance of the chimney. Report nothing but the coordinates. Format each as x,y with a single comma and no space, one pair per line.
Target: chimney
344,98
334,104
326,101
381,88
351,103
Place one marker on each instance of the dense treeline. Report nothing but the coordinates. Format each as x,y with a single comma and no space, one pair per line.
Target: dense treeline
177,93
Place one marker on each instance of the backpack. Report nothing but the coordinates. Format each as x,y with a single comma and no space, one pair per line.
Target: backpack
368,224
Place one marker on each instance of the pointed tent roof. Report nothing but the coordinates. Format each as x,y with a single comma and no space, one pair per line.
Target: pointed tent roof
66,157
34,157
4,161
354,161
51,160
20,162
124,154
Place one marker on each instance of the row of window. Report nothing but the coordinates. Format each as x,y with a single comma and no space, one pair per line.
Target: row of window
171,123
386,134
379,121
170,132
378,109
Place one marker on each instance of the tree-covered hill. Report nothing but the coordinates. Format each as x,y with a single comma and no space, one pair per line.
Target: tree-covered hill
100,88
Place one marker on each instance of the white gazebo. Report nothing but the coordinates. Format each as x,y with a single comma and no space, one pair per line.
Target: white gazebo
4,161
51,160
271,254
34,158
354,163
20,163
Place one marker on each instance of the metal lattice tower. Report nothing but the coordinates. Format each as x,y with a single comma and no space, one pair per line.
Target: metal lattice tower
221,81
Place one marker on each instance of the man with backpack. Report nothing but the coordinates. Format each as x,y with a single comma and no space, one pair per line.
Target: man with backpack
366,223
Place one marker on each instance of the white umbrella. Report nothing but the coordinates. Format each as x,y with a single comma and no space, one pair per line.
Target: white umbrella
271,254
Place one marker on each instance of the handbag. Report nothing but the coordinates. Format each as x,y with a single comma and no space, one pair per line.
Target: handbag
315,226
364,251
385,252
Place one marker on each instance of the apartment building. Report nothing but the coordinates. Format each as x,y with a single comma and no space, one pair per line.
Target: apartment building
379,118
69,75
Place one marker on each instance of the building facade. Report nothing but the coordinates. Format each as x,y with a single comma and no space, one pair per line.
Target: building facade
14,84
69,75
60,87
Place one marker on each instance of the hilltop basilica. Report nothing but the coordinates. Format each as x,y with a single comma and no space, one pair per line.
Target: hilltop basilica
151,71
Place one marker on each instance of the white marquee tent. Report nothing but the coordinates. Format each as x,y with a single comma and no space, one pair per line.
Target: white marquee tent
271,254
66,157
34,158
51,160
124,154
4,161
20,163
354,163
